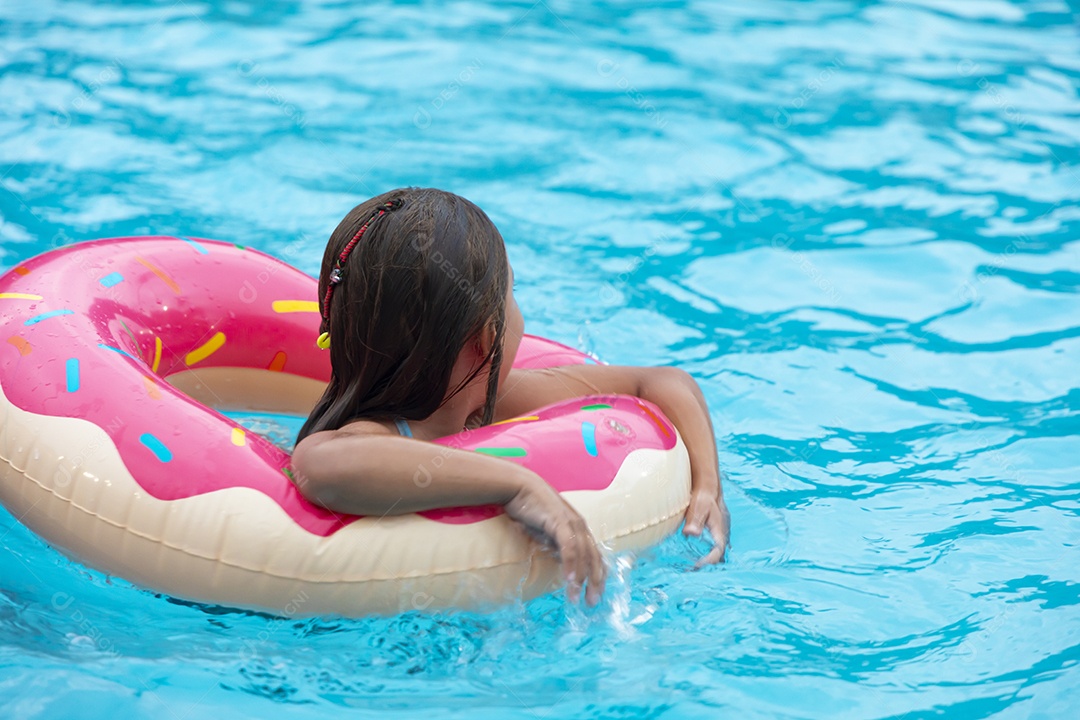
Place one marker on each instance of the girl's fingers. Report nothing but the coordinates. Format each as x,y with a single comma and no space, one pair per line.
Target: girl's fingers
692,526
582,564
572,567
712,558
597,577
697,513
556,524
719,525
585,554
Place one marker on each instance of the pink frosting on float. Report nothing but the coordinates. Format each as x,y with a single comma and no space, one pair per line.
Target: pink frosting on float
92,330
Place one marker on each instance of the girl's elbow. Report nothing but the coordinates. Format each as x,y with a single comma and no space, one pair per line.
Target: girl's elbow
662,383
316,486
671,377
676,374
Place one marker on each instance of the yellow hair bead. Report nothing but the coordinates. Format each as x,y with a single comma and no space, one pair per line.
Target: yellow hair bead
324,341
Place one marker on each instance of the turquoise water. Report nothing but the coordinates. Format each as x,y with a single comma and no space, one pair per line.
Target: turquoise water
853,223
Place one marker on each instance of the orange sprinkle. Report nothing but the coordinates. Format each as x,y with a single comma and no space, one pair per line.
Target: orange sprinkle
22,270
655,419
20,344
161,274
278,363
151,388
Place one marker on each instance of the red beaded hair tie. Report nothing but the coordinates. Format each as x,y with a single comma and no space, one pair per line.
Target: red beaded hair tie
335,274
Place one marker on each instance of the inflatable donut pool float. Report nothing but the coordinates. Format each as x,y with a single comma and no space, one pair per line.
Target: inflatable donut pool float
115,357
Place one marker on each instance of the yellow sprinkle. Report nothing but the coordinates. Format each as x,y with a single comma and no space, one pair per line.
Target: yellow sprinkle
238,437
19,296
287,306
527,418
157,353
205,350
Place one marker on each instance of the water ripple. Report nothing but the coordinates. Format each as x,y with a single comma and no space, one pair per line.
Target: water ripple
854,223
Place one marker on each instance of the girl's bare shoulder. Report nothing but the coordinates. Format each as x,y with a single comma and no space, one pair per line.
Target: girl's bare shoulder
526,390
355,428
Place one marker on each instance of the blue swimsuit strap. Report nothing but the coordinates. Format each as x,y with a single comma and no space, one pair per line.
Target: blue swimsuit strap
403,428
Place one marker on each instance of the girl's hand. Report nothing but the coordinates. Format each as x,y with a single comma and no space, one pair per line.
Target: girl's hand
675,392
550,519
707,508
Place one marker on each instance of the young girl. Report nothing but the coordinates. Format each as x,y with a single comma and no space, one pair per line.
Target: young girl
419,315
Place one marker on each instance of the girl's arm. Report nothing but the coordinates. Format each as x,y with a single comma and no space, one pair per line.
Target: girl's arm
368,470
674,391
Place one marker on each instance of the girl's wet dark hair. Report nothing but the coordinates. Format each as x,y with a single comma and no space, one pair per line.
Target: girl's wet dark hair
422,281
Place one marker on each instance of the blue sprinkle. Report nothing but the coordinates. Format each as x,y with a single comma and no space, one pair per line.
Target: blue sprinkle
115,350
111,279
46,315
588,434
72,374
156,446
196,245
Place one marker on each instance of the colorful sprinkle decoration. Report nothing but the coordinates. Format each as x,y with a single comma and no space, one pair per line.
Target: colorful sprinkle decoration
205,350
72,371
19,296
112,279
588,436
157,447
526,418
46,315
503,452
160,273
151,388
291,306
197,245
652,416
20,344
103,346
278,363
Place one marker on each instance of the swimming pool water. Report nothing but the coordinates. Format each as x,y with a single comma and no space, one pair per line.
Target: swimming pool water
854,223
